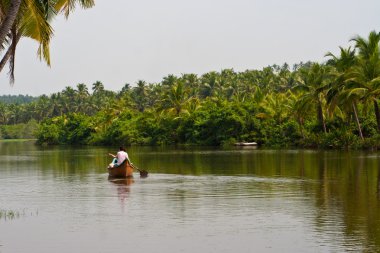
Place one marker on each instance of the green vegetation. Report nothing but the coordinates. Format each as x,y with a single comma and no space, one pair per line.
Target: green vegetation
15,214
19,131
322,105
10,214
16,99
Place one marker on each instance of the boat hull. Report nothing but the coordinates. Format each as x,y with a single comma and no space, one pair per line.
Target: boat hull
246,144
124,170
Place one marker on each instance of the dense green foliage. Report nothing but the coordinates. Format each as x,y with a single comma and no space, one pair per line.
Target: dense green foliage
19,131
333,104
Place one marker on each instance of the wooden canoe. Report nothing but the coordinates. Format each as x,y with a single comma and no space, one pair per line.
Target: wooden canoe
124,170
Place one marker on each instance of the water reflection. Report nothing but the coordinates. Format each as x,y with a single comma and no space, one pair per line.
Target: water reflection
123,188
331,199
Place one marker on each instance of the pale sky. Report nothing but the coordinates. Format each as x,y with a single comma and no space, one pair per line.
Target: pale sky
123,41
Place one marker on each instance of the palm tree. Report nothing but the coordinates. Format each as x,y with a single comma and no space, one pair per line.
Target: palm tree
97,87
276,106
139,95
210,84
56,104
191,82
176,98
32,21
43,108
68,99
8,16
30,18
340,92
82,97
67,6
314,81
366,72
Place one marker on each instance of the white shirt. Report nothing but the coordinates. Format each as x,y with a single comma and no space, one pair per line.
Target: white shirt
121,156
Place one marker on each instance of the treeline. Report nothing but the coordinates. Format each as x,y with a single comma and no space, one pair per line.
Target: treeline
331,104
16,99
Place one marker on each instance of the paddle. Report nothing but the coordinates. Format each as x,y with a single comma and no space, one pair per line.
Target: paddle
143,173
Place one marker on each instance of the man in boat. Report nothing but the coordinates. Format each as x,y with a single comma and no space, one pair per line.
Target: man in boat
119,158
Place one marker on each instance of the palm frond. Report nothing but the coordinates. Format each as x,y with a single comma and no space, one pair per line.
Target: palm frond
34,25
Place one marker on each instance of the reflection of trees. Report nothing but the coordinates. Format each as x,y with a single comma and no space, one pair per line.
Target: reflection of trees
348,191
343,188
378,179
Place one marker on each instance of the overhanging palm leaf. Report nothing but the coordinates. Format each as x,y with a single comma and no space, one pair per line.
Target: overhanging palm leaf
67,6
35,25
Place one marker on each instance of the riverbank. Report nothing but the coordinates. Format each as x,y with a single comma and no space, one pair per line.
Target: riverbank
16,140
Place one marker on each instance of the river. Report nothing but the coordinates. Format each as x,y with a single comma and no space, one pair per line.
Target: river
59,199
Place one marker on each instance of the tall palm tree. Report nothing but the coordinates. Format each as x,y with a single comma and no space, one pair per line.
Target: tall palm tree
82,97
139,95
366,72
314,81
341,92
56,104
97,87
68,99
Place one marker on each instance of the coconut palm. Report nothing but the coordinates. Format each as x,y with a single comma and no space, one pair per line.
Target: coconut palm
210,84
341,92
365,75
139,95
276,106
31,19
176,98
314,81
8,15
82,96
67,6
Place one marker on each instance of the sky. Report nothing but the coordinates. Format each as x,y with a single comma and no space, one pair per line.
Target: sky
123,41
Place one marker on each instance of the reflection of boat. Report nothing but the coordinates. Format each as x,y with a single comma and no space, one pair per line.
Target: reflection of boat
246,144
123,188
122,171
121,181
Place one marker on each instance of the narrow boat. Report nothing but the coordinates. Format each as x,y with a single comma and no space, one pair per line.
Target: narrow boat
246,144
124,170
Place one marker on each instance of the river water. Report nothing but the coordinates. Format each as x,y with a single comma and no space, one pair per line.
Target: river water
59,199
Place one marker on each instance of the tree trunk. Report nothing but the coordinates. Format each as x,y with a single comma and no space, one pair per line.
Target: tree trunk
357,120
377,113
9,53
10,18
320,117
300,123
5,58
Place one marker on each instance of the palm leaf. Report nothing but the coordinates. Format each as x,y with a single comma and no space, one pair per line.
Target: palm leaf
34,24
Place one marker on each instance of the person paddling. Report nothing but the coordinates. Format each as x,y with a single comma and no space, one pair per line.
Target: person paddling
119,158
